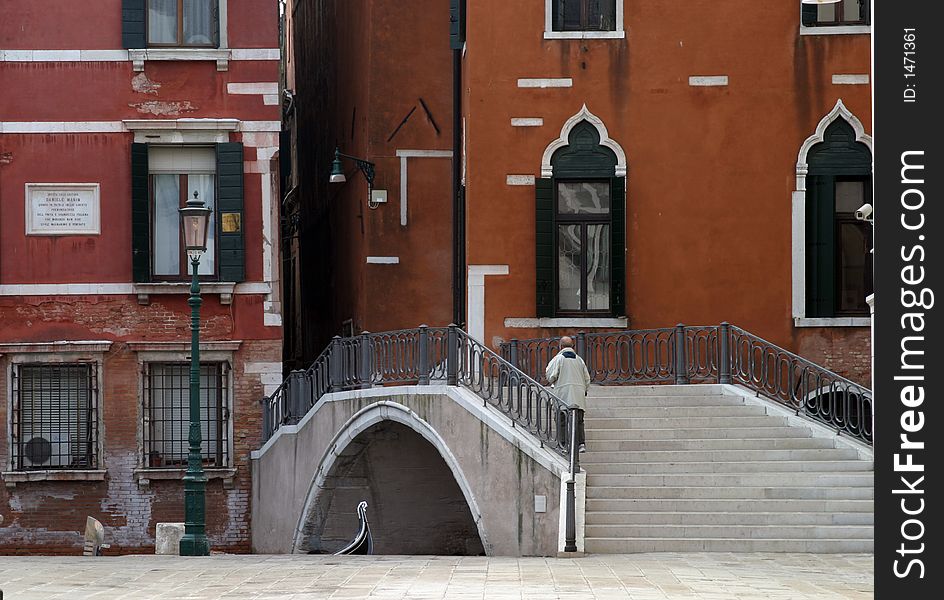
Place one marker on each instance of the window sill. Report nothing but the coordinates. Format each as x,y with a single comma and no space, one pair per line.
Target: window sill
836,30
223,288
585,322
584,35
11,478
144,477
832,321
140,56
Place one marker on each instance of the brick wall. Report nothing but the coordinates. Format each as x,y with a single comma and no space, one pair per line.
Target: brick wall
844,350
49,516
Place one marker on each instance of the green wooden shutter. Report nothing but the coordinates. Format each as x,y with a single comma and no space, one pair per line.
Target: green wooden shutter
618,246
544,252
140,215
820,246
808,14
132,24
230,215
456,24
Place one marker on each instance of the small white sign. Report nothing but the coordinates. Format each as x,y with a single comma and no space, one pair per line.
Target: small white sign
540,504
62,209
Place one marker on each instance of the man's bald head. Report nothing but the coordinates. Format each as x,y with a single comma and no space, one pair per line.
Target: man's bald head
567,342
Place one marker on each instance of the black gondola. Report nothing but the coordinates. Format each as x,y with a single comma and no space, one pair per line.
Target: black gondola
363,543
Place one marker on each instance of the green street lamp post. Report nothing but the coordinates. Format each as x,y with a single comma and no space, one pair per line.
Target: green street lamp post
194,219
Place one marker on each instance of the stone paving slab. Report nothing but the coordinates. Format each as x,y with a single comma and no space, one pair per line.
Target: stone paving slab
696,576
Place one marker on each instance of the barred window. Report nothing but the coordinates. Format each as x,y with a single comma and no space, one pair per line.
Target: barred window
55,421
167,414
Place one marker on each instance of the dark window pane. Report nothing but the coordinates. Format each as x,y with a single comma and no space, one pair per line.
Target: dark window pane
569,276
583,198
854,269
601,15
598,267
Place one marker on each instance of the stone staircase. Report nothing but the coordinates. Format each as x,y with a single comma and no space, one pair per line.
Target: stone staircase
701,468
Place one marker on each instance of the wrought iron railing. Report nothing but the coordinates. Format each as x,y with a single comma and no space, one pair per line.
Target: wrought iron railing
710,354
421,356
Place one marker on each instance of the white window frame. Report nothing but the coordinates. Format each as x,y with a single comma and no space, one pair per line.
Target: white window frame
832,30
550,34
221,55
179,352
55,353
798,209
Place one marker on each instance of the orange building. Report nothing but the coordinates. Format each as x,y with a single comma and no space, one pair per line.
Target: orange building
618,165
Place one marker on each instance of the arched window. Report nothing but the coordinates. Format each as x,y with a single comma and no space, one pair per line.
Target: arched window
581,230
833,262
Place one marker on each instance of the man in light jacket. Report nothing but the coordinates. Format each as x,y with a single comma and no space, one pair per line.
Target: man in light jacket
569,375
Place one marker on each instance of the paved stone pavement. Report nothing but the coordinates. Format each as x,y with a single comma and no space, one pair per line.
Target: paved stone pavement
704,576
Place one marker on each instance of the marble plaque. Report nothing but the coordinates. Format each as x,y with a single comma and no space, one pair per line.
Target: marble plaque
62,209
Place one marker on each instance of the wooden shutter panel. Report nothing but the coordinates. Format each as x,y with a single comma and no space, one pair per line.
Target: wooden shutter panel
544,251
820,246
140,215
132,23
230,214
808,14
456,24
618,246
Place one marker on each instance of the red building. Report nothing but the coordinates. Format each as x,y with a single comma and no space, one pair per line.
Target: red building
617,165
112,113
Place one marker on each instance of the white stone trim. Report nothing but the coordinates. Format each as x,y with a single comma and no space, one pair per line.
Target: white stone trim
176,124
260,126
851,79
56,347
798,212
566,322
519,179
583,114
221,56
255,89
527,122
837,30
403,155
708,80
550,34
182,349
240,54
270,99
11,127
539,82
383,260
475,316
224,23
832,321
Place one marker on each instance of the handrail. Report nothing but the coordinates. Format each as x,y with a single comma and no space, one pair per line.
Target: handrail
710,354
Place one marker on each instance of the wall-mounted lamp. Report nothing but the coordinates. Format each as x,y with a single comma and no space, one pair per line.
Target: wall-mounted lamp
366,167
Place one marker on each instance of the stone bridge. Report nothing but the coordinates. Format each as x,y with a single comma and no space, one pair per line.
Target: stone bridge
443,473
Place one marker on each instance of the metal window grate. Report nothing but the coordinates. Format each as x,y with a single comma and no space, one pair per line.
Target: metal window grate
55,420
167,414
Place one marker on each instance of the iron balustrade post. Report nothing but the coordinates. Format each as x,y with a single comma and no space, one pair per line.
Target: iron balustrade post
335,365
266,418
570,526
194,541
366,369
452,354
422,363
681,363
724,353
582,345
513,353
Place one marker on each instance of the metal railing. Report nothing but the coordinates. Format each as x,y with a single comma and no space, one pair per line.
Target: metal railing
710,354
421,356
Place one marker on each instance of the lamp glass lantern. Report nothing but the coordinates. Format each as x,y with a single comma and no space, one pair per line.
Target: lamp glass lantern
337,170
194,223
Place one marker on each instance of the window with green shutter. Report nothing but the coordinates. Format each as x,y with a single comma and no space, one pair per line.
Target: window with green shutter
838,246
580,231
162,179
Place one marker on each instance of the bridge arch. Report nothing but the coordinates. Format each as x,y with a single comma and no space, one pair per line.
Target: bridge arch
362,422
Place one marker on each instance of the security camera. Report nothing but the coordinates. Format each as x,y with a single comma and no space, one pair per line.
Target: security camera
864,213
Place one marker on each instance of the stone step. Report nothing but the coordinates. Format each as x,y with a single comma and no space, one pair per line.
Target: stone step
727,505
603,431
659,544
757,532
736,492
686,422
745,466
809,443
662,401
728,518
657,390
813,479
610,412
684,456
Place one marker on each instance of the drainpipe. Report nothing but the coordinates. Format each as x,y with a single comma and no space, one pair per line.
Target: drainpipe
458,196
